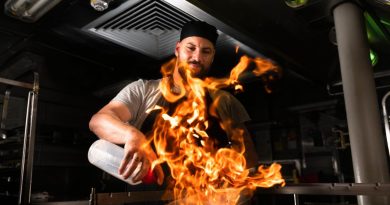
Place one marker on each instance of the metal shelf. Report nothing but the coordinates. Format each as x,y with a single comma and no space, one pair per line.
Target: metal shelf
26,145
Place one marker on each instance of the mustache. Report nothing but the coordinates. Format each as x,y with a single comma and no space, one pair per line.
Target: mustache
194,62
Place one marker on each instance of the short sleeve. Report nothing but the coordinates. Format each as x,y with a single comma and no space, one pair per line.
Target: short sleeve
229,107
131,96
139,96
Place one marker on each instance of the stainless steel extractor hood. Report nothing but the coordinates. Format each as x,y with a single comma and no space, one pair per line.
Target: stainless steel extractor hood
152,27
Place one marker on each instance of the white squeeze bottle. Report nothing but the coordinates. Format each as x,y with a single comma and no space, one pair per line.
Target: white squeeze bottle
108,156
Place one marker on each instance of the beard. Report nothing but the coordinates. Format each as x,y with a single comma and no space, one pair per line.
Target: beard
197,69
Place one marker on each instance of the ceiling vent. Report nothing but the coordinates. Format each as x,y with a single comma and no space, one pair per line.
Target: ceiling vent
152,27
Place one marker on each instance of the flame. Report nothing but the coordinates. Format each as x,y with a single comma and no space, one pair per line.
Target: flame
204,173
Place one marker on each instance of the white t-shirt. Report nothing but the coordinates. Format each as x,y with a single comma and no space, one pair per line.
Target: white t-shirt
142,95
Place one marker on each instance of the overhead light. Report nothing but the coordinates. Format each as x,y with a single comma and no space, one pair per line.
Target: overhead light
295,3
29,10
100,5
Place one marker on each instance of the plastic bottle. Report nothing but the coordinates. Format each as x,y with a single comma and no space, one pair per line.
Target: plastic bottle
107,156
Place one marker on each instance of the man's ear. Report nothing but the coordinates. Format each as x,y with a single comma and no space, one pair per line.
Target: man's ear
177,48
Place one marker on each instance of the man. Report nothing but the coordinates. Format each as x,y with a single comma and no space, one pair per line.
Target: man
121,119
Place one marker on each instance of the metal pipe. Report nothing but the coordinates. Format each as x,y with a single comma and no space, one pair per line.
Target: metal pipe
32,134
296,199
366,137
92,197
29,144
24,191
16,83
5,111
386,119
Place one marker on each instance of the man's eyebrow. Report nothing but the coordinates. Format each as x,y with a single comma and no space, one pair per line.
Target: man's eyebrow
203,48
191,44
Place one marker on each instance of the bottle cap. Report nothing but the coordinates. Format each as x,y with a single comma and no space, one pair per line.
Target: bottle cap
150,178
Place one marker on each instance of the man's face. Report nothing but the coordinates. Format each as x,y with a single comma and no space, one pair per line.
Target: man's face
197,52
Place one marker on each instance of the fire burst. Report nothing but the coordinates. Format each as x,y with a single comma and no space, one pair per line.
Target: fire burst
204,173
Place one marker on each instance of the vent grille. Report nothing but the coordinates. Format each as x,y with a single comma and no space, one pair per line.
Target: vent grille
151,27
148,15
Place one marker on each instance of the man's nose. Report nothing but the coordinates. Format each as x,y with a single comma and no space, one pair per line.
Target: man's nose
196,55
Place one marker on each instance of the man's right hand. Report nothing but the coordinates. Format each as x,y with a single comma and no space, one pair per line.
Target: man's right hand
110,124
137,151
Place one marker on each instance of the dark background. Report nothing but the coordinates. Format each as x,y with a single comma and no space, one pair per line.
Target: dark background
301,123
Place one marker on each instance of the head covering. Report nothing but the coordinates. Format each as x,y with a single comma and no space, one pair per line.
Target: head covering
200,29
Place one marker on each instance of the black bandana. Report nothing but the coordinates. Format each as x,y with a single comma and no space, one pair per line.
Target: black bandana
200,29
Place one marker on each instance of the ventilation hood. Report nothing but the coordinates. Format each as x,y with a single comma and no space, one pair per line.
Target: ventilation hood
152,27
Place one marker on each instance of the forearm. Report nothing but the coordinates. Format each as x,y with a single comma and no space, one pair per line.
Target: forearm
250,151
111,128
241,140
